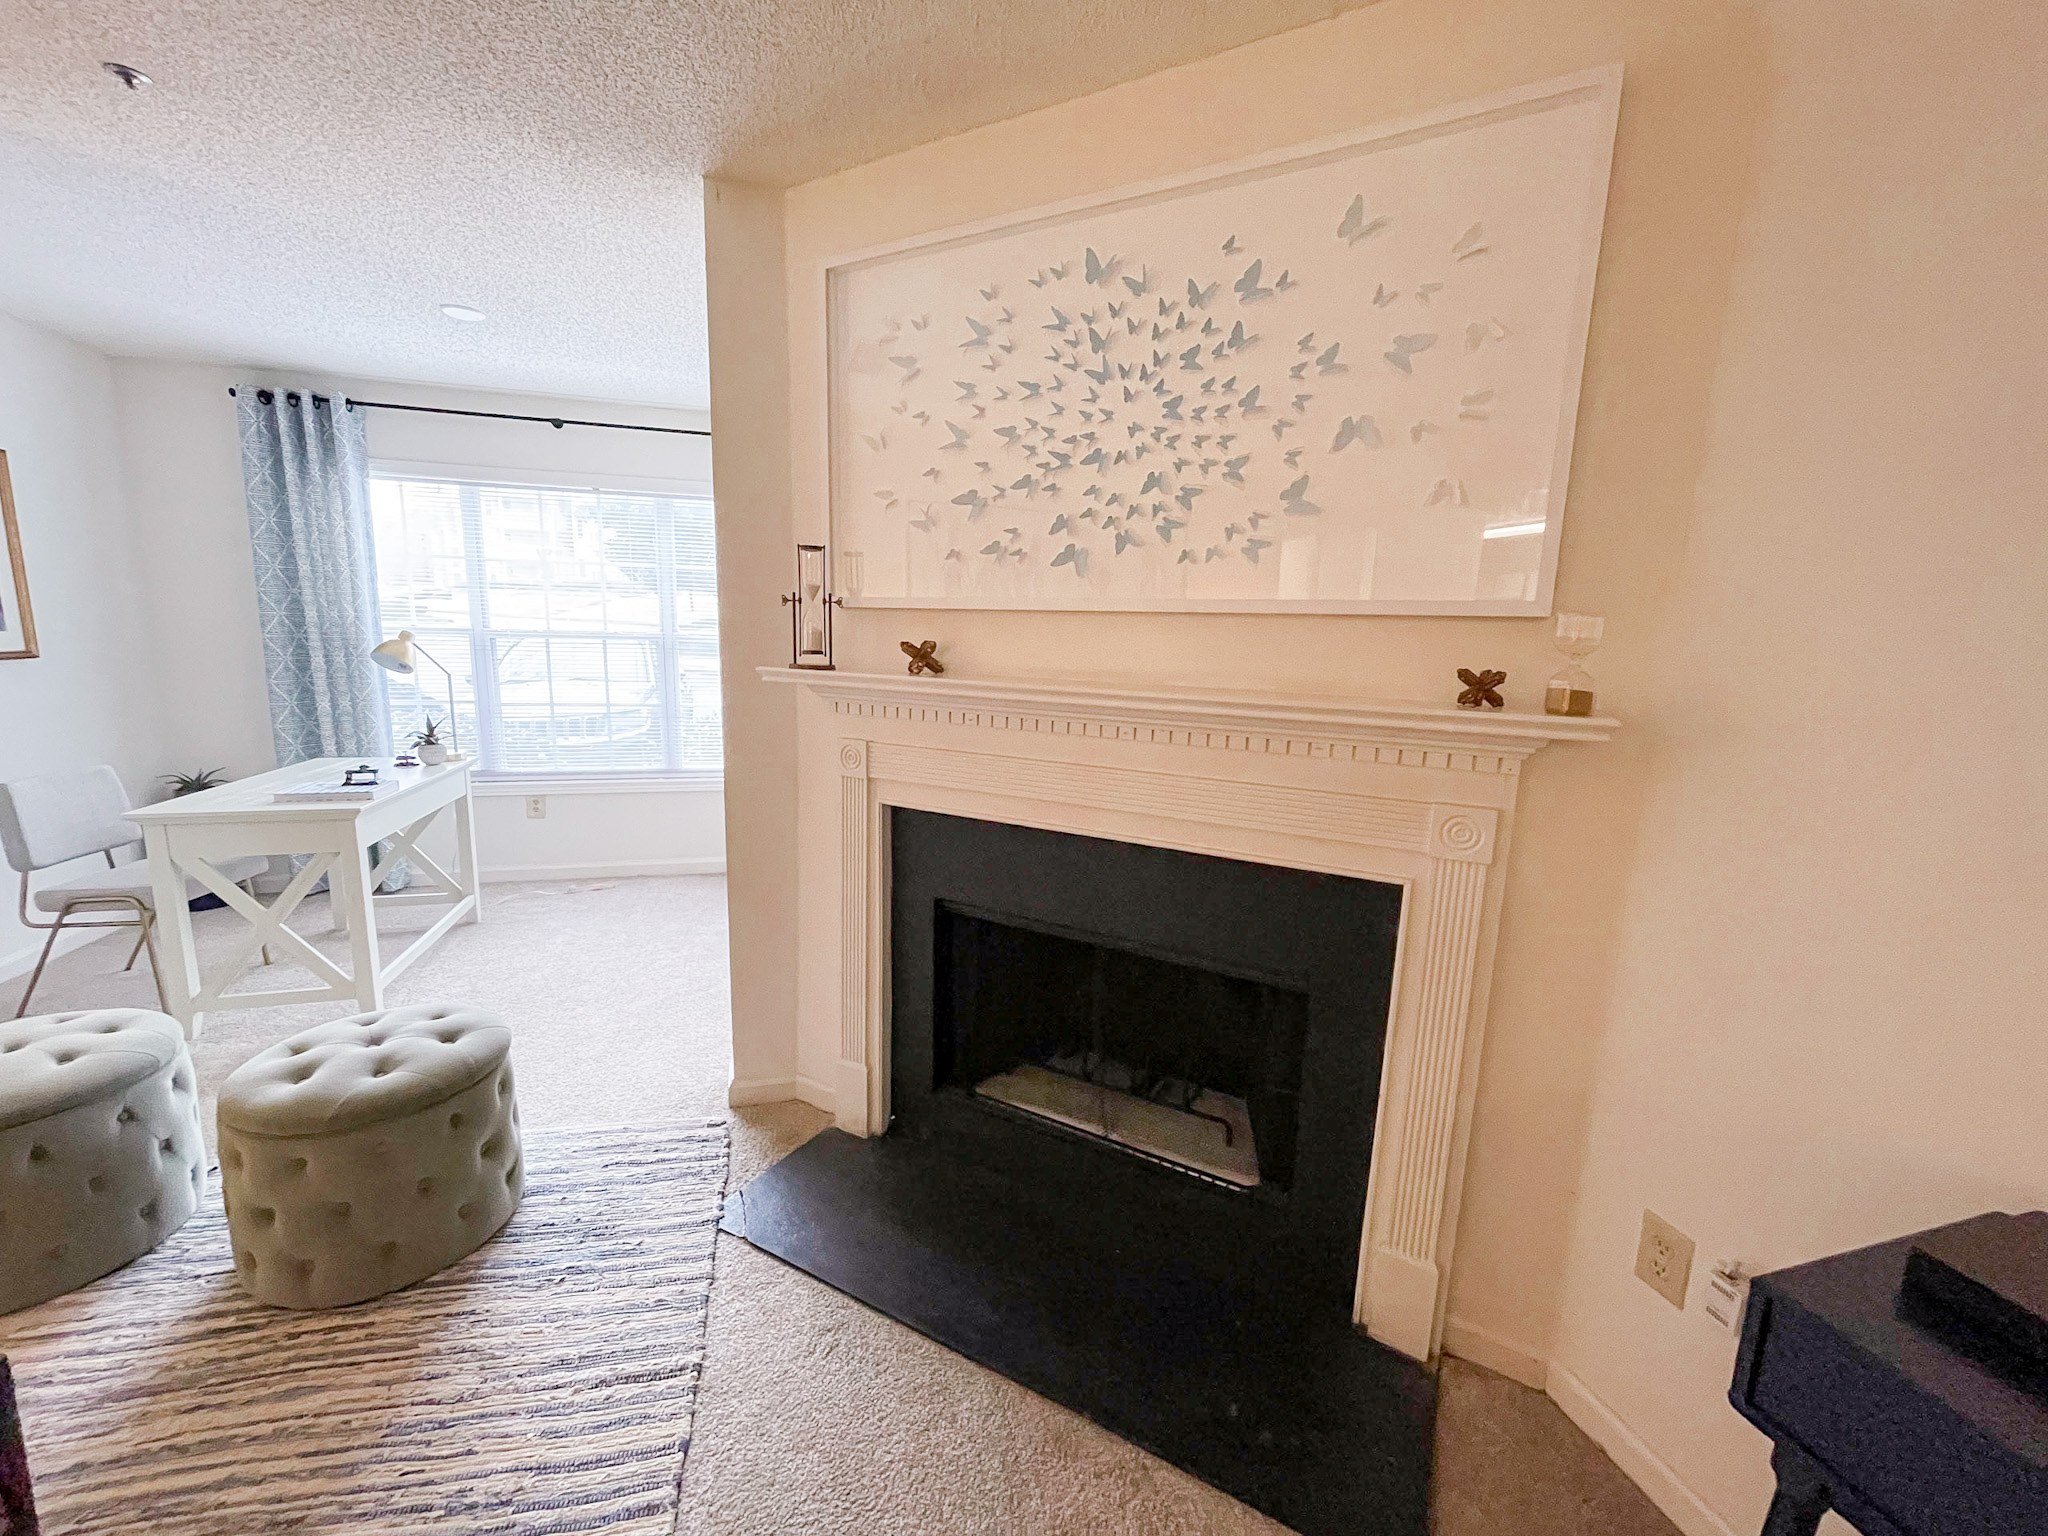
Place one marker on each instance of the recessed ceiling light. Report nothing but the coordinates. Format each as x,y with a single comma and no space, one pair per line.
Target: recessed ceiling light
462,312
128,75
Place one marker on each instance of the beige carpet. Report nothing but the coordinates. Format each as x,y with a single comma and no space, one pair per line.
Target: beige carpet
815,1414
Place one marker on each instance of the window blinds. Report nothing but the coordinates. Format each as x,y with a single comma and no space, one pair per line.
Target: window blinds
581,626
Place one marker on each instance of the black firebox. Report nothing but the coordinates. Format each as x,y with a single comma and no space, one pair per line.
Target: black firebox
1149,972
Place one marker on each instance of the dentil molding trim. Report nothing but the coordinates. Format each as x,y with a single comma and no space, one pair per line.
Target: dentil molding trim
1314,783
1357,730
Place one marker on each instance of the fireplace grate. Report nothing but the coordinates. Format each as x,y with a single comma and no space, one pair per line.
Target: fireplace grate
1194,1129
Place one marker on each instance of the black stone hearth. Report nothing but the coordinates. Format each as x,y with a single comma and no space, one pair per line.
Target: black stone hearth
1207,1322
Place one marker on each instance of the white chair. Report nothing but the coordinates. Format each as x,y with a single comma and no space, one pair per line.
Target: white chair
57,817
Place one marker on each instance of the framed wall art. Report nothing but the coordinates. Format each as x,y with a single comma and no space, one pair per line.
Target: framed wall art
17,620
1341,378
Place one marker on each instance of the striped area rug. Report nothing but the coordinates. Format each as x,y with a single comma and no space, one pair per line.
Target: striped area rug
544,1384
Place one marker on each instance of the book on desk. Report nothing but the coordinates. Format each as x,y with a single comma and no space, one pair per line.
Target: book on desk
331,790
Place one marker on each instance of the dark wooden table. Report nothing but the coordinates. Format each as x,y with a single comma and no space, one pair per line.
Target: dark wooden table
1902,1428
17,1503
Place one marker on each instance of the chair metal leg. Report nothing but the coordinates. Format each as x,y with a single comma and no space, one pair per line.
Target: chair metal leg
142,932
156,970
42,960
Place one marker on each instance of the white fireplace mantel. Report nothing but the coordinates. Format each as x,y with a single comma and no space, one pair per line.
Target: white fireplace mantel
1417,795
1212,710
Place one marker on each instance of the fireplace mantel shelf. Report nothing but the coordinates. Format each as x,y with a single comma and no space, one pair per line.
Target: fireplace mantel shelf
1505,730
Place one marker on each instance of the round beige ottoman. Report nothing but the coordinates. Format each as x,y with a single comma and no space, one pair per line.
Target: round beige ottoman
100,1153
369,1153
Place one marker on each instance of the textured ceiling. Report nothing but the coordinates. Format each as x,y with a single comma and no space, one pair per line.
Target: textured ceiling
307,184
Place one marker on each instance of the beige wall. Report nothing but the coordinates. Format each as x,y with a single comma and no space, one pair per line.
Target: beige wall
91,696
756,562
1762,954
1824,1025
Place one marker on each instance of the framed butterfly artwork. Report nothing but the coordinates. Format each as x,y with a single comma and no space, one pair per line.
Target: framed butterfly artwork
1338,378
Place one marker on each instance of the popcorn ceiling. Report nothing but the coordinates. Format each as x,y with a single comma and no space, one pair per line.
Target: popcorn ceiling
305,185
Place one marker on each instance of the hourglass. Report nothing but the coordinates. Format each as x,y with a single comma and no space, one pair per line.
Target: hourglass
810,611
1571,691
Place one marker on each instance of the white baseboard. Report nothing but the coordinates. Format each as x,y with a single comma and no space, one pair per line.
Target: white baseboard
1645,1468
21,961
780,1090
505,874
1468,1341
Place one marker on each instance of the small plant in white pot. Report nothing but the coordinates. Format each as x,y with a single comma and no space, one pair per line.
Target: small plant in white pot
181,784
432,750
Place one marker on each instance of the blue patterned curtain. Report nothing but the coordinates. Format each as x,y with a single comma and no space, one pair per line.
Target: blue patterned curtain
306,472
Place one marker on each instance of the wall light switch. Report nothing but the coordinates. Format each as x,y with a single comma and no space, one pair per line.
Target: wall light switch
1664,1259
536,806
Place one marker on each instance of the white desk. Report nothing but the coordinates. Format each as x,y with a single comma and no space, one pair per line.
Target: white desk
186,836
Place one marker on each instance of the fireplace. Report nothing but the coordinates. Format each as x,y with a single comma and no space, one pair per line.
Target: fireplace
1132,1101
1290,898
1210,1028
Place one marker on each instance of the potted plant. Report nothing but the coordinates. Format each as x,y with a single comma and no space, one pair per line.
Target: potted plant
180,784
428,744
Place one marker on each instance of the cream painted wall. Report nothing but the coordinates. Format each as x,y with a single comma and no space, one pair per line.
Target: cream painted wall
183,469
1762,956
750,420
1824,1026
89,697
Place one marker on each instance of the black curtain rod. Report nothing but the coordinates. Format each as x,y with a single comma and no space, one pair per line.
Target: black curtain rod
266,396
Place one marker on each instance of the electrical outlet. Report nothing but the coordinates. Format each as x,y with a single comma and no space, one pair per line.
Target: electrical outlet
1664,1259
536,806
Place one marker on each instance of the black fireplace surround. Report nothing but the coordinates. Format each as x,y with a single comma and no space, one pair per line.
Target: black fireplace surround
1208,1322
1266,983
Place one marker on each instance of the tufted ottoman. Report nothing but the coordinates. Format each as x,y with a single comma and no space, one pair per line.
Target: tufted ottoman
100,1152
368,1153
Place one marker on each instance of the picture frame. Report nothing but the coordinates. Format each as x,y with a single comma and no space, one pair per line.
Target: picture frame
972,374
17,617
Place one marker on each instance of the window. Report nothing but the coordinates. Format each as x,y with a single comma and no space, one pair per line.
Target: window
581,626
